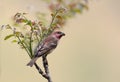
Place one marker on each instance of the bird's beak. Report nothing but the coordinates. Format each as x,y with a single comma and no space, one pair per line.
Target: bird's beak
63,34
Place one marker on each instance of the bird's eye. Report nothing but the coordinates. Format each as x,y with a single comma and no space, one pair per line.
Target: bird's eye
58,32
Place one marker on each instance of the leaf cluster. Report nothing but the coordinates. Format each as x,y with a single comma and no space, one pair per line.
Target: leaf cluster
29,33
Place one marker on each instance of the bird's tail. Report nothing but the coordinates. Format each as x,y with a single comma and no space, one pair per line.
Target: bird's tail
32,61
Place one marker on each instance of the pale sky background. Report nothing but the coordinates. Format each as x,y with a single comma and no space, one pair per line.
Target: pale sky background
90,51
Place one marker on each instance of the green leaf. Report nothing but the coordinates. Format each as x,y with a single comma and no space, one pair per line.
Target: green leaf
9,36
17,33
77,10
14,41
28,22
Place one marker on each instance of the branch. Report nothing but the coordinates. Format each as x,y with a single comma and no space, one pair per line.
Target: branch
45,64
46,76
40,71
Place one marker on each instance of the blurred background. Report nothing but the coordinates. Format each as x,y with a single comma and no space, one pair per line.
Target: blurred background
90,51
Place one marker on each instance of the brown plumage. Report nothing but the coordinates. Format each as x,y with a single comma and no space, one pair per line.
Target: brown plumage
46,46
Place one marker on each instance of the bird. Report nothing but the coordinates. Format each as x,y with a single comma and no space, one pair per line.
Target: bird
46,46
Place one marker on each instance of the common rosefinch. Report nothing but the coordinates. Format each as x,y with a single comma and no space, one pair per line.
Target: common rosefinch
46,46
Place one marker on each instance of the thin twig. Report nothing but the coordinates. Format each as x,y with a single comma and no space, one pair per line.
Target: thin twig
37,38
53,18
31,40
24,46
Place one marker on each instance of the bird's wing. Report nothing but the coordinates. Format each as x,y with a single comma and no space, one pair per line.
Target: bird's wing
46,47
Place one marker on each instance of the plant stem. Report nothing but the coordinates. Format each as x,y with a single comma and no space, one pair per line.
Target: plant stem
30,43
27,50
53,18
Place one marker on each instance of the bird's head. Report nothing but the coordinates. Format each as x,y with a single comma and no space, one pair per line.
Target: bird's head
58,34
